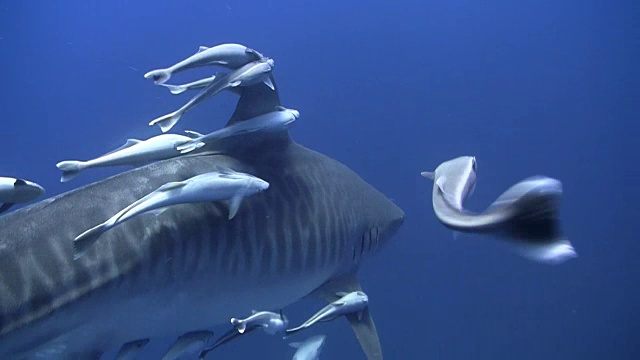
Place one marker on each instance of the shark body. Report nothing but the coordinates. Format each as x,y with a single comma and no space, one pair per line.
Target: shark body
193,268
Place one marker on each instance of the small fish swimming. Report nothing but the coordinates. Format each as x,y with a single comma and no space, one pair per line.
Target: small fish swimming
249,74
212,186
131,350
309,349
279,120
456,178
526,215
349,303
272,323
13,191
134,152
230,55
190,343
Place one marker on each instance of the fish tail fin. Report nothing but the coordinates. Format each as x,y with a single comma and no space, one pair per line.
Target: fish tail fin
70,169
166,122
175,89
159,76
239,325
84,241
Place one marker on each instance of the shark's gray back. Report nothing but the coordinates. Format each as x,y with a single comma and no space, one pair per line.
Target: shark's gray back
311,197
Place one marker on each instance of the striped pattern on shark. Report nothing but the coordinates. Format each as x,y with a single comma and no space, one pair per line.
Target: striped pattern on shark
190,267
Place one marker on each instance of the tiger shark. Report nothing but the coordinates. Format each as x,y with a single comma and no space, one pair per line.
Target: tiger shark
192,268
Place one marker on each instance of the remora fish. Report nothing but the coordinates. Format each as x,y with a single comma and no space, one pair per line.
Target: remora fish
198,84
190,343
526,214
250,74
134,153
348,304
13,191
131,350
270,322
279,120
212,186
231,56
159,277
309,349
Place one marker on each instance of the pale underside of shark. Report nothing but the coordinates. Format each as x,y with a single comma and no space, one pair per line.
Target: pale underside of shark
190,268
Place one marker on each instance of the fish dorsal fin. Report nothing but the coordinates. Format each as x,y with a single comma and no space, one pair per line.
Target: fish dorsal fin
428,174
201,49
171,185
362,324
129,143
341,294
193,134
295,344
253,312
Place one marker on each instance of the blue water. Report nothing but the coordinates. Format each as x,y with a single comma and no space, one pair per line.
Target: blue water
546,87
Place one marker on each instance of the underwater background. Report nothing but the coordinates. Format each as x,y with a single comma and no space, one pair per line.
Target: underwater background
389,88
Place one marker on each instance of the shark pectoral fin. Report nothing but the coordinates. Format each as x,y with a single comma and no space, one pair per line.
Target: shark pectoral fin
267,81
428,174
193,134
5,207
365,329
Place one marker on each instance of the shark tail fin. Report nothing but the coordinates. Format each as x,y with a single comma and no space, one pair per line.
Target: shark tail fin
239,325
84,241
159,76
166,122
70,169
175,89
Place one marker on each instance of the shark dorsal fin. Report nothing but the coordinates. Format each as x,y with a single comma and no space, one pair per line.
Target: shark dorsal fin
255,100
362,324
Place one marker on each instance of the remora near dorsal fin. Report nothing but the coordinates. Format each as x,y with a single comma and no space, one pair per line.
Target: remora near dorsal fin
193,134
365,329
129,143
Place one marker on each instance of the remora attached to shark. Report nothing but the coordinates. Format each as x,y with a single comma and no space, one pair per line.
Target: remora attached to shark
153,277
526,215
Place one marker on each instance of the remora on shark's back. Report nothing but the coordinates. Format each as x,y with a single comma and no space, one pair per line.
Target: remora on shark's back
250,74
231,56
13,191
526,215
307,234
133,153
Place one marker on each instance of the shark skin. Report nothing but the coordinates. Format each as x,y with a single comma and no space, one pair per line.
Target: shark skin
191,267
